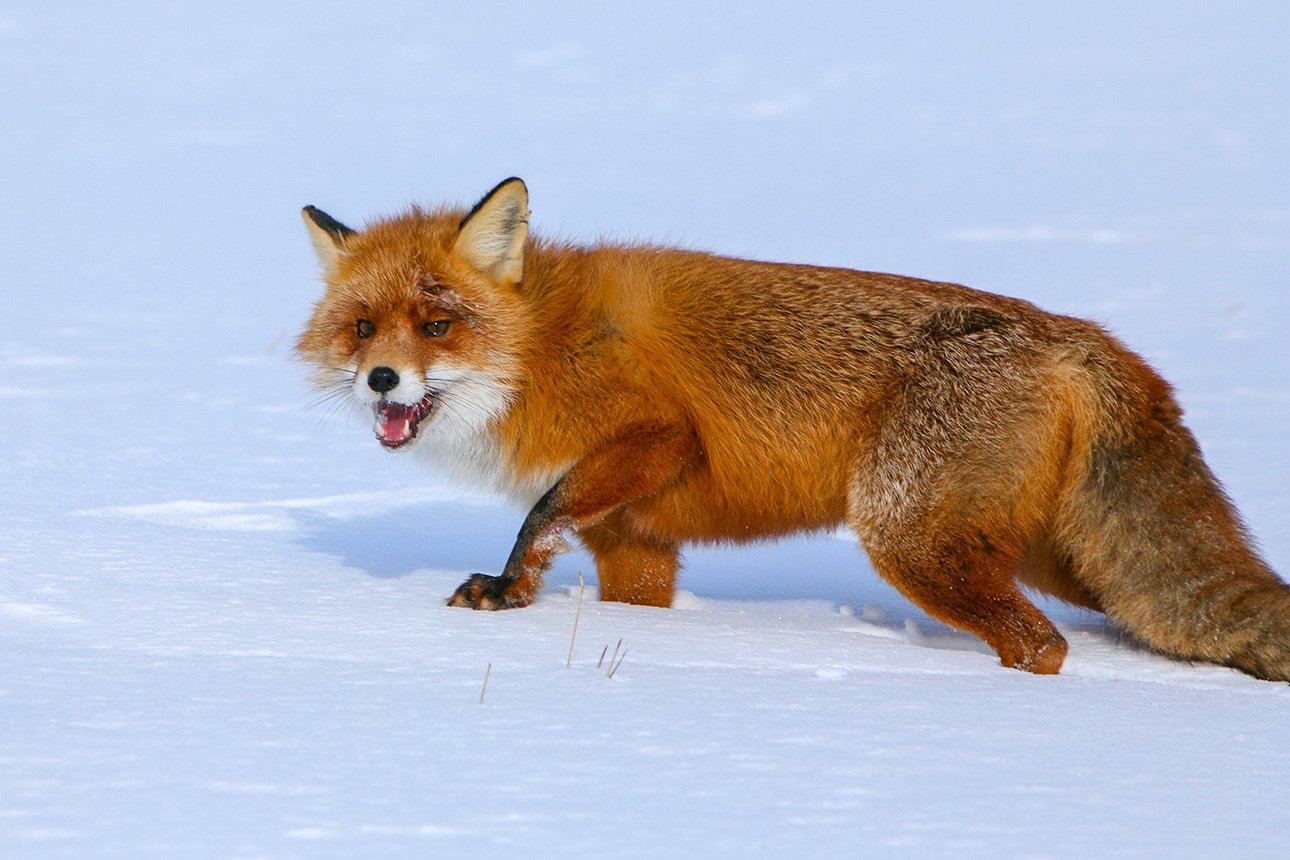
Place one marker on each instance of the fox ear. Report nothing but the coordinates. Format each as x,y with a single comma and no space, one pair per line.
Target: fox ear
492,235
328,235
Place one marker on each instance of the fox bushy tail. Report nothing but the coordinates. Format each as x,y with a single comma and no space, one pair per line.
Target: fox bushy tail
1153,536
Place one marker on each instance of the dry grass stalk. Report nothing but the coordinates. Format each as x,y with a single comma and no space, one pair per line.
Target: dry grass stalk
615,657
614,667
582,588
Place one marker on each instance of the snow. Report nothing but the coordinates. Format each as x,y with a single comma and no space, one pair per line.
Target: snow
222,630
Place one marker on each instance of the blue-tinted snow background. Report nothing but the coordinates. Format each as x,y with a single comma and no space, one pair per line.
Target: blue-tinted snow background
221,620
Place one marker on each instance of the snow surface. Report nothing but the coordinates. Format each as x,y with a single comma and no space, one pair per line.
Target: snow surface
221,621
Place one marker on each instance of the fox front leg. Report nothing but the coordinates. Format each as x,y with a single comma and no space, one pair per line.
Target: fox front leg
521,578
634,465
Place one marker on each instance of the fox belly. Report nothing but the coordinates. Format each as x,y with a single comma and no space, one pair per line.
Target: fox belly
703,507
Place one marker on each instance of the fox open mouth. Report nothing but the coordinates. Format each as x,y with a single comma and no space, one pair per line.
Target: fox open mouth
397,423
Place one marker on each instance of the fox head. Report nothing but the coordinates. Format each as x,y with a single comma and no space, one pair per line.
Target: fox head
422,318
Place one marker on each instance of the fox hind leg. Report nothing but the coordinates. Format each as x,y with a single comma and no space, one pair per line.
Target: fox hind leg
955,477
952,533
963,576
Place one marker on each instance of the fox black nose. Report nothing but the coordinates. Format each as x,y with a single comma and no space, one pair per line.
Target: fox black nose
382,379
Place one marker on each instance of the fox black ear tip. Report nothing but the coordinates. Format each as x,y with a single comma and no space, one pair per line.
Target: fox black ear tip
326,223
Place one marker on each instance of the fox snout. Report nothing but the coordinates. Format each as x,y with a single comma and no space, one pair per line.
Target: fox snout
389,382
383,379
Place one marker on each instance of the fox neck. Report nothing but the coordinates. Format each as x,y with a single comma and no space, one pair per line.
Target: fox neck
463,441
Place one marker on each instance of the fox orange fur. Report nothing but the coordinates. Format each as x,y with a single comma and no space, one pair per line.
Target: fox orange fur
644,398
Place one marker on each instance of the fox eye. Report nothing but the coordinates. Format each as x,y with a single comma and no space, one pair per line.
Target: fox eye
438,328
366,329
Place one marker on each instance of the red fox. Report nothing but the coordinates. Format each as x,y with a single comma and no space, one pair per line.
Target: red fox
644,398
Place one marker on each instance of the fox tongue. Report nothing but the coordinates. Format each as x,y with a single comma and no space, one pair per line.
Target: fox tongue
395,423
